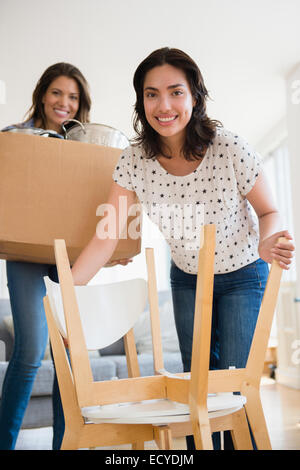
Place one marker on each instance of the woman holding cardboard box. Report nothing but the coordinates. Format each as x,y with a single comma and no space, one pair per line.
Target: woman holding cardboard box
184,161
61,93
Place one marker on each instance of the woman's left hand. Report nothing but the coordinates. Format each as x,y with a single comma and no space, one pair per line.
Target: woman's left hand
270,249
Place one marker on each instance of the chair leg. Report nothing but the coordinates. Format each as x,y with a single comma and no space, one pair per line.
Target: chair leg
202,433
163,437
256,418
139,445
240,431
69,442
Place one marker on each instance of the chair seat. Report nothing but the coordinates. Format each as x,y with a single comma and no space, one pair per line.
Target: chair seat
162,411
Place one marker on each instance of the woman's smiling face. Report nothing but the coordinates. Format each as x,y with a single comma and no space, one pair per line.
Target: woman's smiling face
61,102
168,101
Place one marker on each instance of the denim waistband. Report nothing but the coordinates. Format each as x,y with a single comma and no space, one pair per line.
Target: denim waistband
253,272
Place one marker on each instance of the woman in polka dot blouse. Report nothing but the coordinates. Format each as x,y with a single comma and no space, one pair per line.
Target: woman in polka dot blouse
187,170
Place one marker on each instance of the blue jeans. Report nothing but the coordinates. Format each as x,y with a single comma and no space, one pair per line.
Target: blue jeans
27,289
236,301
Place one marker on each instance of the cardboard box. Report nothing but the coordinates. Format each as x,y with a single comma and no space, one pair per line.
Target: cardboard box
51,188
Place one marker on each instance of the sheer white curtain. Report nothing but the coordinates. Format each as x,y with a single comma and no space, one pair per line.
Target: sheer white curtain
277,168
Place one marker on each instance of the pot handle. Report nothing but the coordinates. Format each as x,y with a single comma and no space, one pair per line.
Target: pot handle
72,120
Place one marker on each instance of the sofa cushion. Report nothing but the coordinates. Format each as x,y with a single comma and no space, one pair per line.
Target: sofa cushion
44,378
142,328
102,368
172,363
39,413
9,324
5,335
116,348
7,330
4,309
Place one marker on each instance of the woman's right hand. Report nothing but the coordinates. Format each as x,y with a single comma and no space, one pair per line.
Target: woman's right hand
123,262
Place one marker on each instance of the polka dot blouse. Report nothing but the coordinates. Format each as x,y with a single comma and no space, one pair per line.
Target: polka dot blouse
214,193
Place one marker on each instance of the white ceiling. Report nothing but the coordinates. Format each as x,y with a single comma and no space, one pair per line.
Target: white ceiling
244,49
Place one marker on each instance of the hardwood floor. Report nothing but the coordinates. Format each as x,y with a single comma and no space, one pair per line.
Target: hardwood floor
282,411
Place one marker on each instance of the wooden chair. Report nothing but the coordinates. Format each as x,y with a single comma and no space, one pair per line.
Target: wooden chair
91,317
179,403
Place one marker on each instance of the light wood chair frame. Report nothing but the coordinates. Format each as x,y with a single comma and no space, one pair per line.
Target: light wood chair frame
78,388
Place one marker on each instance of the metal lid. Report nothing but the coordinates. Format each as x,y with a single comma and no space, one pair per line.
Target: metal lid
34,131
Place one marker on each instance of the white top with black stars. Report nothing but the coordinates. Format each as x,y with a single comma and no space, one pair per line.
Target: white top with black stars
214,193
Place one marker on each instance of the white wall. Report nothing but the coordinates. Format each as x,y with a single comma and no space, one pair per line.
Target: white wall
243,49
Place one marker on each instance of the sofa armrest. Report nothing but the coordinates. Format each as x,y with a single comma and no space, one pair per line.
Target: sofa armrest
6,338
5,334
2,351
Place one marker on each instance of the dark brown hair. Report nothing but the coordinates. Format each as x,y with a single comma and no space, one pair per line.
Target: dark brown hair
199,131
51,73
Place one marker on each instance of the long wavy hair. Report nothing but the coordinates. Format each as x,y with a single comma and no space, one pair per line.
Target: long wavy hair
200,130
36,110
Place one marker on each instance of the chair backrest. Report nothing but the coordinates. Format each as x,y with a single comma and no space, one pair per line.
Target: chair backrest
71,321
107,311
88,391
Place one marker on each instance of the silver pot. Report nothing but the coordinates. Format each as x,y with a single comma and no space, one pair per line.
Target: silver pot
99,134
33,131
